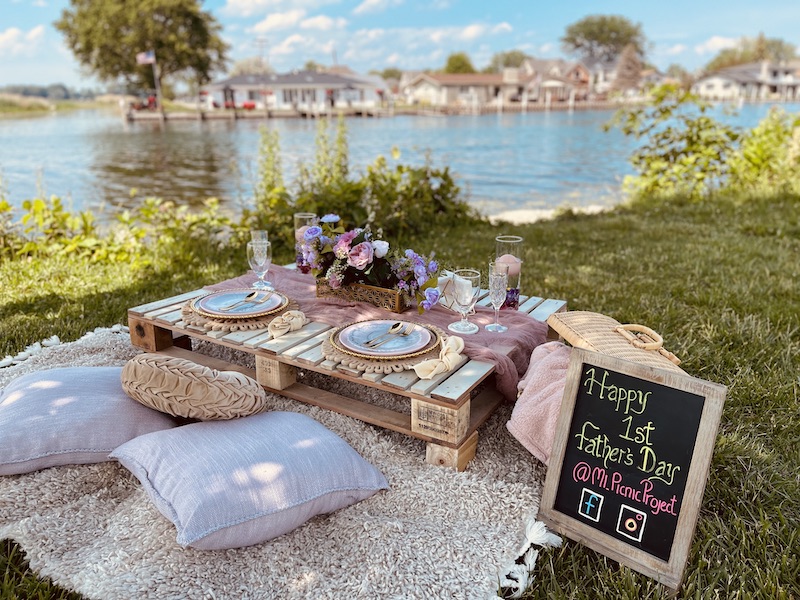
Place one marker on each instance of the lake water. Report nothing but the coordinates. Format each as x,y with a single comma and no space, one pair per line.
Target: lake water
510,162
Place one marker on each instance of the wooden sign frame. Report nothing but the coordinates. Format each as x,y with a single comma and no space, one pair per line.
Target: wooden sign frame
668,572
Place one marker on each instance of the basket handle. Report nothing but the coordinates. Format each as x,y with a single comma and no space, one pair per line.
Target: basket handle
656,344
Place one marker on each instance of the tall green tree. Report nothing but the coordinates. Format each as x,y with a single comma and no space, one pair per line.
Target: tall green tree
459,62
502,60
106,35
749,50
603,37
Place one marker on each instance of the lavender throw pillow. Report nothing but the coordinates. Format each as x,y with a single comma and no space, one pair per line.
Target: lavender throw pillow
74,415
229,484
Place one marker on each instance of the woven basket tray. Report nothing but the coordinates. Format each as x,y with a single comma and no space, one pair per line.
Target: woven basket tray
600,333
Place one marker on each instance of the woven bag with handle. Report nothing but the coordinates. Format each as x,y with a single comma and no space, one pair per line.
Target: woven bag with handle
600,333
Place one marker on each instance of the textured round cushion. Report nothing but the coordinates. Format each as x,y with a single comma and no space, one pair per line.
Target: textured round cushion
182,388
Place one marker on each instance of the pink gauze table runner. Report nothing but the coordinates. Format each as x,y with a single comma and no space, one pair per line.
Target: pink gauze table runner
510,352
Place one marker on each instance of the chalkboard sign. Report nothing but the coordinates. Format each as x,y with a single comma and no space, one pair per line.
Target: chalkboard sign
630,461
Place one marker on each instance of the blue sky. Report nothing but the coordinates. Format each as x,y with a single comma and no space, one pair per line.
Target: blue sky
410,34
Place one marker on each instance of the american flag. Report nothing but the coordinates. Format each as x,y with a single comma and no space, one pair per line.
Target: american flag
146,58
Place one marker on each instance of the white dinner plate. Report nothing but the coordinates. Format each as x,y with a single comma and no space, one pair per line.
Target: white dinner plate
355,337
213,304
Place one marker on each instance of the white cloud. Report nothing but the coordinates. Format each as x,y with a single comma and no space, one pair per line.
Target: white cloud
277,21
715,44
393,58
675,50
289,45
15,42
323,23
40,3
547,48
502,28
371,6
471,32
248,8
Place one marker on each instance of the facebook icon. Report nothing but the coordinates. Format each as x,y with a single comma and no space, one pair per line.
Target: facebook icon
590,505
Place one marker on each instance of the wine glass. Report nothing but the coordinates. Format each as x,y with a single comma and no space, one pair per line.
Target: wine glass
498,284
259,255
259,235
467,284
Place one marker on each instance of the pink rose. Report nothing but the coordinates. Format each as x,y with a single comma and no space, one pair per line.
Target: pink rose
360,256
342,247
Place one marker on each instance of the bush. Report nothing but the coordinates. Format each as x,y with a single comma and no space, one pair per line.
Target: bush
398,200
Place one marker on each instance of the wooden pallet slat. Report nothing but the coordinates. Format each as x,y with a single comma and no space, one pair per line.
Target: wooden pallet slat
281,344
143,308
547,308
454,388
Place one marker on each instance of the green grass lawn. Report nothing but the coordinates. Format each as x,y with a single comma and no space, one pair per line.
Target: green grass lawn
720,280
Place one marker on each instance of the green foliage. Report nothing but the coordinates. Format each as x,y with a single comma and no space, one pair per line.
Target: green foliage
749,50
769,155
398,200
688,153
685,151
458,62
501,60
184,38
603,37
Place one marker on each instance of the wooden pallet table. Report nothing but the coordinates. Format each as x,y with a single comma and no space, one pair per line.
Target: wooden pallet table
446,411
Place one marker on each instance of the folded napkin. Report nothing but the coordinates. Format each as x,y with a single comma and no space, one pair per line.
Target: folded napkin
449,357
449,286
291,320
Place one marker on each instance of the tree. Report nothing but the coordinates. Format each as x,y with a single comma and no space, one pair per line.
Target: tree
106,35
680,74
749,50
603,37
254,65
629,70
313,66
502,60
459,62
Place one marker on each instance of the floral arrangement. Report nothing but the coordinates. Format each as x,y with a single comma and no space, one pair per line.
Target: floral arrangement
342,257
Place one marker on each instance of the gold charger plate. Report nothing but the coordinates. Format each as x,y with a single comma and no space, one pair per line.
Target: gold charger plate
210,305
368,329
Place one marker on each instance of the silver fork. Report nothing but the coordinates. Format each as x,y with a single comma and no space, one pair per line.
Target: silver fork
243,302
406,331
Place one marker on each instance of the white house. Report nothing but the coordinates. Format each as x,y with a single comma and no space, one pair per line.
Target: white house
753,81
310,91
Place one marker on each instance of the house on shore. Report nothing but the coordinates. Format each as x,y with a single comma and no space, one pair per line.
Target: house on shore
535,81
302,91
762,80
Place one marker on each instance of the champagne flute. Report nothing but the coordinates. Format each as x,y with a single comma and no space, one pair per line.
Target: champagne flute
259,256
467,283
498,284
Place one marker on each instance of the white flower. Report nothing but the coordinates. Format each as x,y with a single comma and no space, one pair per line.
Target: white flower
381,248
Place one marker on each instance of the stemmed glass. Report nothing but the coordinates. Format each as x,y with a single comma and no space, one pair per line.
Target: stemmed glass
259,255
467,283
498,285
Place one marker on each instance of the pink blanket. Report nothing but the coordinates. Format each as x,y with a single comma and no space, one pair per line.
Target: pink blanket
510,351
533,420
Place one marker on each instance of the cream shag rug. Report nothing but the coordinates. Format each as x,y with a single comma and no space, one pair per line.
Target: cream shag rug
435,534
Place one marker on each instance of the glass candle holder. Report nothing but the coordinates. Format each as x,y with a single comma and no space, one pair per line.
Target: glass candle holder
509,251
302,221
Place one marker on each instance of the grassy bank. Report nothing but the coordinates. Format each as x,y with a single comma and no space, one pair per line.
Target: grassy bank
720,280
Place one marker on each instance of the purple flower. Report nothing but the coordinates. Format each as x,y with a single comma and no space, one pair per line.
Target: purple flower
431,298
312,232
360,256
330,218
433,266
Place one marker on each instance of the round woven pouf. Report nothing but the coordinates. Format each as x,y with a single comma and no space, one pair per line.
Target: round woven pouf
182,388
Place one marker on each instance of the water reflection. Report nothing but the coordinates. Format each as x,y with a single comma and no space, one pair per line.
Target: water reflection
502,162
